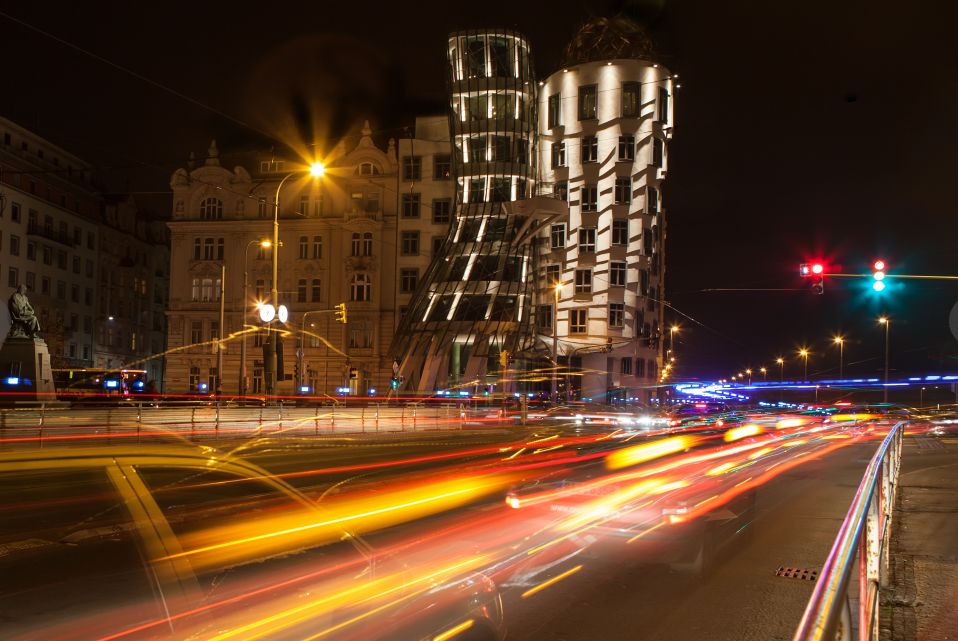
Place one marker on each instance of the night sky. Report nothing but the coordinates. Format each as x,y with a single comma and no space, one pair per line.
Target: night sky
804,129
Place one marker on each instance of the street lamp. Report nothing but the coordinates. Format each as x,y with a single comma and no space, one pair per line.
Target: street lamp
265,244
555,344
316,170
804,354
840,341
884,320
749,372
781,369
764,373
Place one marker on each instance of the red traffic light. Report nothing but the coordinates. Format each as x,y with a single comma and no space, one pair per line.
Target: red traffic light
817,268
879,265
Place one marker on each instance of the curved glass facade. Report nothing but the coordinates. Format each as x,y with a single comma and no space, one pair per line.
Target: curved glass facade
476,299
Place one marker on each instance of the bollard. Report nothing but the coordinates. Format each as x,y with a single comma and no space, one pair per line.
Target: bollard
332,418
414,418
40,433
377,418
316,420
139,411
193,422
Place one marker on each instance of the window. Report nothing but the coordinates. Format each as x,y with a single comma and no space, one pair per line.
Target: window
360,288
558,154
45,285
317,247
304,246
196,335
368,169
412,168
583,281
61,290
578,321
587,102
208,249
477,190
587,240
13,277
651,200
617,319
261,209
623,190
77,267
553,275
501,191
211,209
544,317
477,149
408,279
557,236
197,248
561,190
61,259
87,296
663,105
355,245
301,290
31,281
78,519
437,245
617,274
31,250
89,268
590,197
14,245
360,336
258,373
440,211
631,99
368,244
644,282
555,111
303,209
410,205
620,232
15,212
625,366
658,152
442,167
590,149
626,148
640,368
410,243
316,291
220,248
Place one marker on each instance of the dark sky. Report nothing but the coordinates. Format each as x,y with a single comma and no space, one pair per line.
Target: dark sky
804,129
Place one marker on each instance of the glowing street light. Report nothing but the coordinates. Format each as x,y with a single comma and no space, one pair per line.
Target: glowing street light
840,341
317,170
781,369
749,372
804,354
764,373
884,320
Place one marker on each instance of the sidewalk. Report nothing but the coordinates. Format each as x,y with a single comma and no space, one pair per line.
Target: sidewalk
923,602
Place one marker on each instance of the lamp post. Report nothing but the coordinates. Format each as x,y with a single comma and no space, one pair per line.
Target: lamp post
764,374
315,170
265,244
781,369
749,373
884,320
219,331
555,345
840,341
804,354
672,331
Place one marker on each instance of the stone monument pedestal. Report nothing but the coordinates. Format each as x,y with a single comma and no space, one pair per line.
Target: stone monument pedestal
25,372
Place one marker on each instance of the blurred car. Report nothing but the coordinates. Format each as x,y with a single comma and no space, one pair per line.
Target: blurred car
945,424
162,542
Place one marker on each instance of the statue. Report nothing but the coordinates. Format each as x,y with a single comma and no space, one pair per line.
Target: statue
23,320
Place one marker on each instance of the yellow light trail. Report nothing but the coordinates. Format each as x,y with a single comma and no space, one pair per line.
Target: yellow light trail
451,632
545,584
648,451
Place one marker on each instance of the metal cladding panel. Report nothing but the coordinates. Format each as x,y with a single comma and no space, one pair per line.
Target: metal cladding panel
478,292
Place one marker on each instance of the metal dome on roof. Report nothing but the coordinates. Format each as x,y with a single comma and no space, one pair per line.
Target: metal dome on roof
608,39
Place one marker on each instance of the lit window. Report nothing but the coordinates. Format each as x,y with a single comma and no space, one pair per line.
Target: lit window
368,244
587,102
304,246
555,112
442,167
317,247
631,99
360,289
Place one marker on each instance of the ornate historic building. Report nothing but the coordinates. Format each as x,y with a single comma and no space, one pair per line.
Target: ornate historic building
361,235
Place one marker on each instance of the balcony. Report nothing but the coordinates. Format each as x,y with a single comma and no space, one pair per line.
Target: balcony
34,229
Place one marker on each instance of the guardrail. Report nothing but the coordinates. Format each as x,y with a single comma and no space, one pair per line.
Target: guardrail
47,425
862,544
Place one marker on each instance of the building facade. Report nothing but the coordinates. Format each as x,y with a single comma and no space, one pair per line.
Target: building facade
94,268
607,118
49,220
477,302
361,235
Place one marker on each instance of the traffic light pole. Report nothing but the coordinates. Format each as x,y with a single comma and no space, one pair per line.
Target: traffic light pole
340,311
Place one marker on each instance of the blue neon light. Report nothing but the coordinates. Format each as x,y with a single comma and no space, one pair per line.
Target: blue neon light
12,380
111,384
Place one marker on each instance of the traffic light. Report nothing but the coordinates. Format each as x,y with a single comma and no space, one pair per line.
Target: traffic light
815,272
296,372
878,275
353,373
341,313
394,383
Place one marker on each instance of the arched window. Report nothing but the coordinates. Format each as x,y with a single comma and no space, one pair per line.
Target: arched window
355,245
211,209
367,169
360,288
368,244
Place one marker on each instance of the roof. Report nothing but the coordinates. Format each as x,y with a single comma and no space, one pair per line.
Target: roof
609,39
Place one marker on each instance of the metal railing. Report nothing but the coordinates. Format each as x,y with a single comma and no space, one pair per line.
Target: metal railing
862,544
